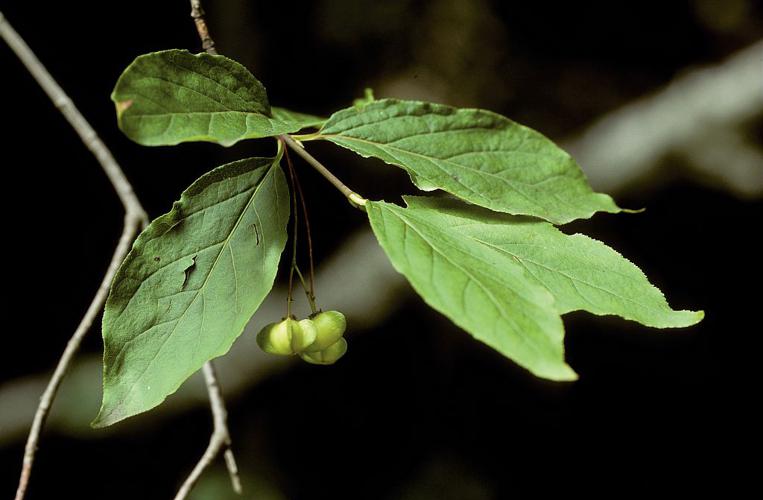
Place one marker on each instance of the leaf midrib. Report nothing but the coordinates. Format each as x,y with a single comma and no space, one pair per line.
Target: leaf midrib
165,264
200,290
434,161
522,338
568,276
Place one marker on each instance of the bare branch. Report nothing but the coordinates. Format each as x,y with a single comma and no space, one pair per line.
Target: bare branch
219,439
135,218
197,13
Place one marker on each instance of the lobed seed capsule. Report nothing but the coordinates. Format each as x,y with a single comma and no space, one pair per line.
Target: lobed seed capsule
327,356
329,326
288,336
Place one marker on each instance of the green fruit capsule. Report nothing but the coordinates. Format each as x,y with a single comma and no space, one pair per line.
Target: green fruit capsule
329,326
308,334
286,337
329,355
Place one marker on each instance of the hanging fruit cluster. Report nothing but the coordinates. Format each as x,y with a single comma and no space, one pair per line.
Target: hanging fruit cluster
317,339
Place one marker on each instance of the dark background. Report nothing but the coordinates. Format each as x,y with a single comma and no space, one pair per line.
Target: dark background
416,410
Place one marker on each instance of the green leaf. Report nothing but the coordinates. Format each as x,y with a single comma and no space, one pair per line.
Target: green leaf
477,155
190,284
483,291
299,120
173,96
580,272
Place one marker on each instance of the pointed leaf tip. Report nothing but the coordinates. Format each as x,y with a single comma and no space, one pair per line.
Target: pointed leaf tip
580,272
506,279
685,318
563,373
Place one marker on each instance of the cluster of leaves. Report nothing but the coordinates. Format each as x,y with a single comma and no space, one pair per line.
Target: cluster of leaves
489,257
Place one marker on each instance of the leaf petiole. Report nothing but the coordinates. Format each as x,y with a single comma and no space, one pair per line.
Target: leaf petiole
354,198
315,136
308,293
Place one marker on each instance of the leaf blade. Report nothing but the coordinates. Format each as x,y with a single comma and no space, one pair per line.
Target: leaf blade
477,155
169,310
580,272
169,97
481,291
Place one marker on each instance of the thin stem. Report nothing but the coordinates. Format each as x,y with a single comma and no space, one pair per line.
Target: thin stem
354,198
295,228
220,438
310,298
311,294
296,190
134,219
